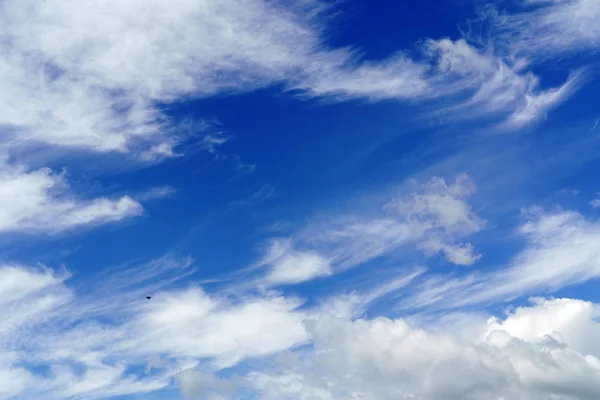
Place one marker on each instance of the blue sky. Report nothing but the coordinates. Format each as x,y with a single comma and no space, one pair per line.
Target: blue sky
325,200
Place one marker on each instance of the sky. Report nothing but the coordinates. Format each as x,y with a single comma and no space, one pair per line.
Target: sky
325,200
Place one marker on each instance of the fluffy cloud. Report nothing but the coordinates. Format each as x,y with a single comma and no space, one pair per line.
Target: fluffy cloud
88,342
39,201
89,345
522,356
447,214
290,266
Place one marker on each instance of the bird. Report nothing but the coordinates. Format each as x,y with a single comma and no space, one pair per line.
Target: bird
148,297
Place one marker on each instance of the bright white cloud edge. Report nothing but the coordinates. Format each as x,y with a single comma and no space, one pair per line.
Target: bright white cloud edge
40,201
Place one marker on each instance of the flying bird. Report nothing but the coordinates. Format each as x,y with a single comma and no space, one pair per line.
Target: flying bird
148,297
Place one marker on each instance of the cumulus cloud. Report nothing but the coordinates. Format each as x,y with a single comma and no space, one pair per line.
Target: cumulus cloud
547,349
390,359
40,201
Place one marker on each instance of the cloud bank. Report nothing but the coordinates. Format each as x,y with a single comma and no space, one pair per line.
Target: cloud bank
547,349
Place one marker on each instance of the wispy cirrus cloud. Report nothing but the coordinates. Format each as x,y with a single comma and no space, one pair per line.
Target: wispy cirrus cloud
433,217
92,76
543,29
560,250
96,77
479,82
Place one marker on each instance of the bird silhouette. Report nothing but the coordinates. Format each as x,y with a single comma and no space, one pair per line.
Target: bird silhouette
148,297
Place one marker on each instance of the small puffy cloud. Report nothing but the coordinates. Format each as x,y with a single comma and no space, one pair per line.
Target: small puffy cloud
441,205
464,254
40,201
158,152
595,203
288,266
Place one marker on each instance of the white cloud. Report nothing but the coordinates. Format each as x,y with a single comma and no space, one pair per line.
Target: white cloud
433,216
480,82
536,352
158,152
442,205
352,301
341,77
493,85
457,254
549,28
195,384
89,340
157,192
89,75
595,203
289,266
560,250
190,324
535,106
390,359
94,76
351,241
40,201
548,349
